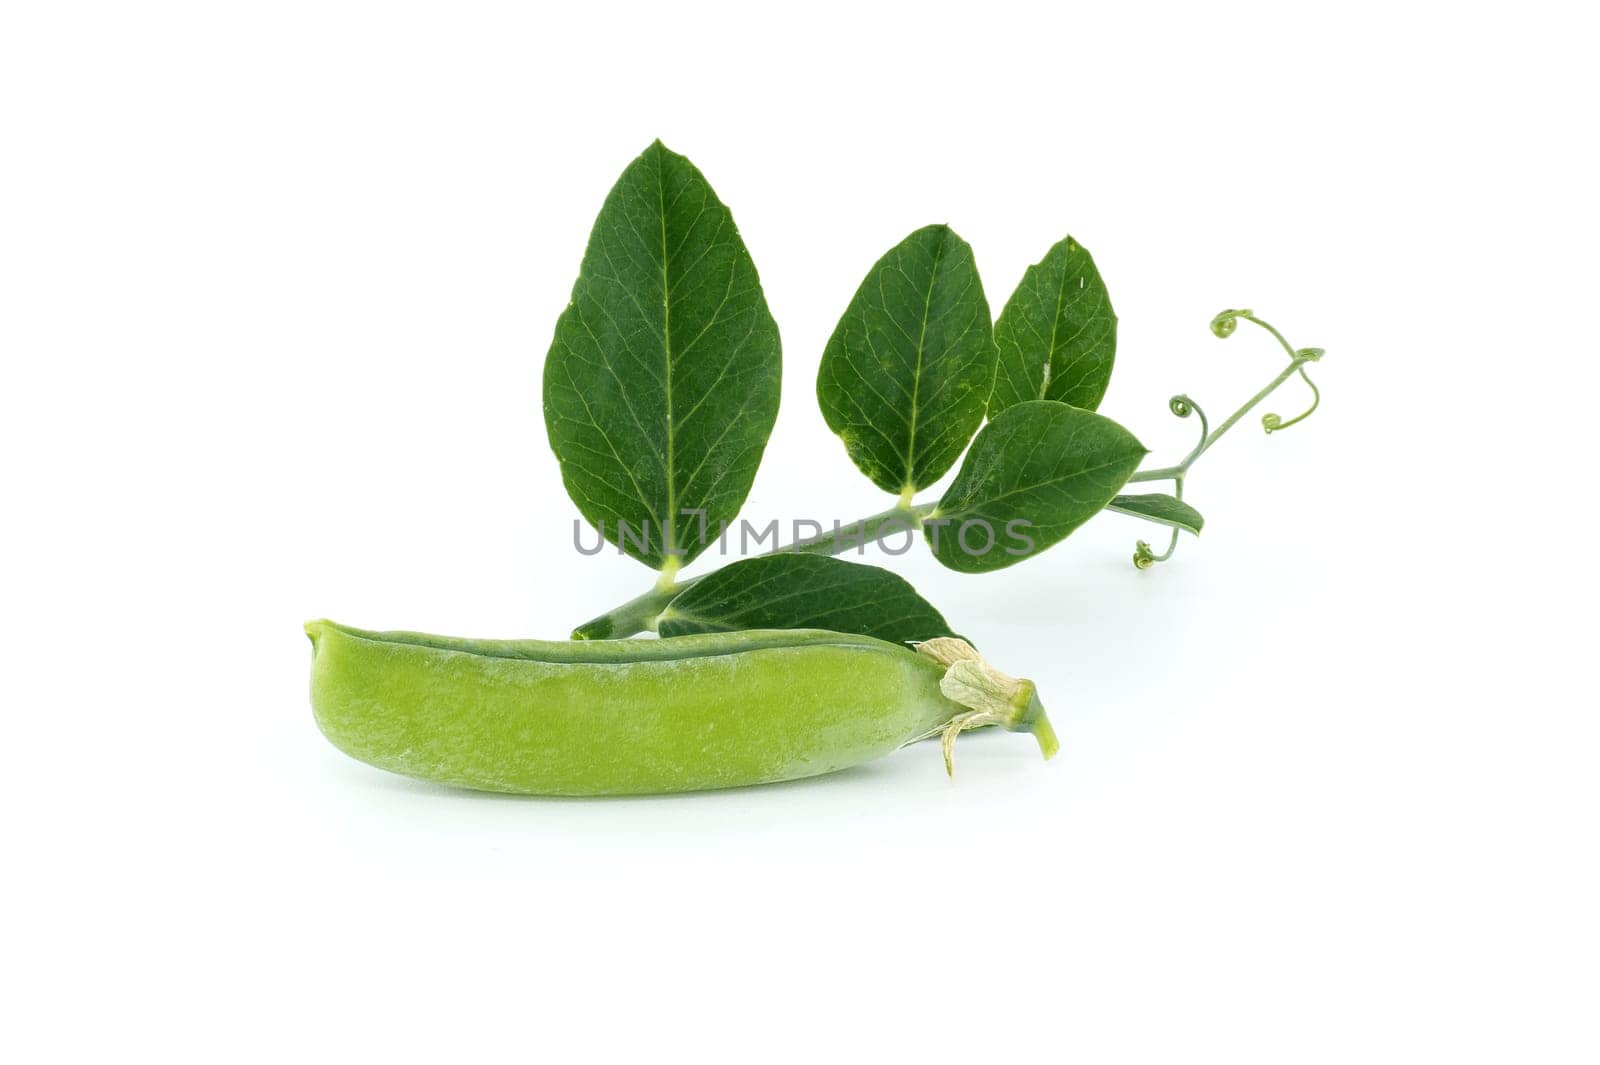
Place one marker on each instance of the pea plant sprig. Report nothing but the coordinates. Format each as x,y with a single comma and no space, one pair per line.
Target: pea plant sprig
661,389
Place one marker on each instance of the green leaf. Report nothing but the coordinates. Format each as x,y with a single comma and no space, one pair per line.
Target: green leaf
1035,473
803,592
1159,507
1057,334
661,386
906,375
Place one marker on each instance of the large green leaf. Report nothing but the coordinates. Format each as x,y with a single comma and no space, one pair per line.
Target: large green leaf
1057,334
804,592
1048,467
906,375
1162,508
661,386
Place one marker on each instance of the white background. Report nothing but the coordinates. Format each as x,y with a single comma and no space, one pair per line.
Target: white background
276,283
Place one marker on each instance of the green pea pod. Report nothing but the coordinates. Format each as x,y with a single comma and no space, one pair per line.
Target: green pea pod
620,717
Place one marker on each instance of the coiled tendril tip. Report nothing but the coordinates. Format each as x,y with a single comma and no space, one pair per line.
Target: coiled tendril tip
1183,406
1144,555
1225,323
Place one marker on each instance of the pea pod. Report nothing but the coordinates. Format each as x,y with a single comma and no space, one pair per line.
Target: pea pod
621,717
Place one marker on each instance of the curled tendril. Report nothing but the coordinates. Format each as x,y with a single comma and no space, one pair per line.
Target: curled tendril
1272,423
1183,406
1144,556
1225,323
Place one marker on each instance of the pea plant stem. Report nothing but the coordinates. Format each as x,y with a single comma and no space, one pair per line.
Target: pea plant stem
634,616
869,530
641,613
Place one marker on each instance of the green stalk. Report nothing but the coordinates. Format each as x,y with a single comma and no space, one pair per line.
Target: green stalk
640,614
874,528
634,616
